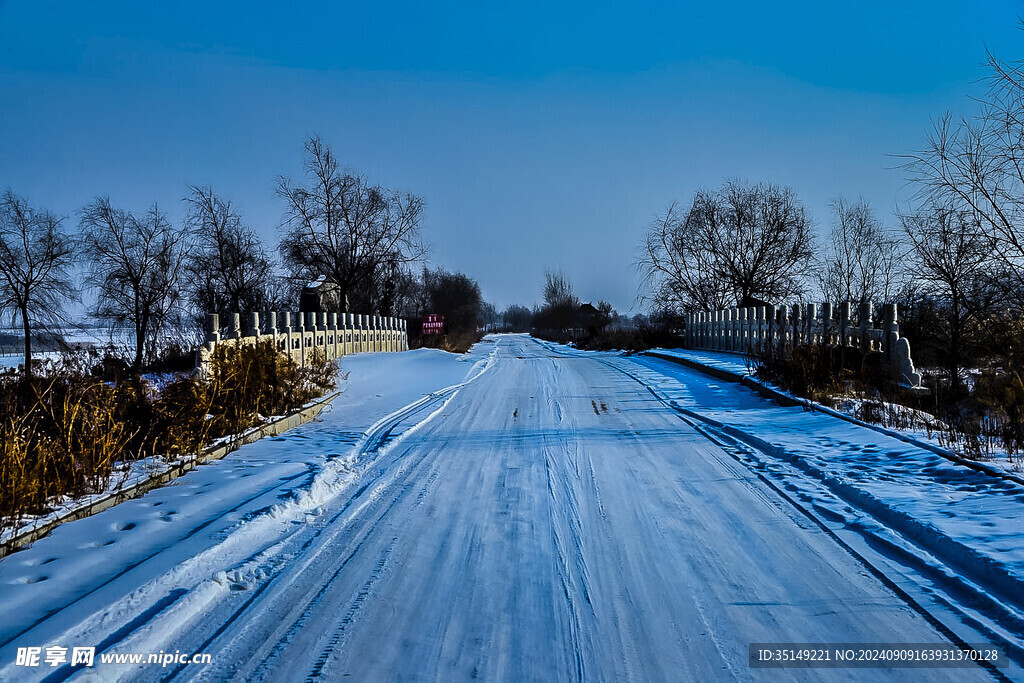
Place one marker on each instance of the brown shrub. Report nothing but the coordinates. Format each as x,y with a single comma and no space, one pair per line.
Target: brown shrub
61,434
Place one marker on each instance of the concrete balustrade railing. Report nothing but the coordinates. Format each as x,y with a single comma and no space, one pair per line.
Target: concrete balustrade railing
299,335
758,329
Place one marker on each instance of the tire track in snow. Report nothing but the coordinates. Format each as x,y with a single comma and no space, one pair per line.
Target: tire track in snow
684,413
378,439
141,616
323,542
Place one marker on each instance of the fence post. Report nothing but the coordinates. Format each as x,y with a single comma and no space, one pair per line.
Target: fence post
796,323
333,330
727,323
865,326
286,330
254,326
813,334
741,330
212,330
748,346
782,317
890,331
759,329
346,334
826,323
844,323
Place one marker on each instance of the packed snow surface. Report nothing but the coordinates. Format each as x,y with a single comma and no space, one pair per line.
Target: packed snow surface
532,512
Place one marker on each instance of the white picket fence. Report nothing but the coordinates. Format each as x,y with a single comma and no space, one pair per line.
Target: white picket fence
756,329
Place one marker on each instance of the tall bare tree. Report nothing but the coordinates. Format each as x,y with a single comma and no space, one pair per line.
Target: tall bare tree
229,269
952,263
558,290
736,245
977,164
35,255
561,304
136,265
861,260
340,226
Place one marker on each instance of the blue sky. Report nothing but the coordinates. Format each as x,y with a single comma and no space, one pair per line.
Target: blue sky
541,135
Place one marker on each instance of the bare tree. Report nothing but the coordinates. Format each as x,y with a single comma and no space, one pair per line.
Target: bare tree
861,261
489,317
561,304
340,226
35,255
736,245
953,265
229,269
136,264
558,290
977,165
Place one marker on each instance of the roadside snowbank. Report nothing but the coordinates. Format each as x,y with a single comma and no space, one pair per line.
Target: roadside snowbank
76,567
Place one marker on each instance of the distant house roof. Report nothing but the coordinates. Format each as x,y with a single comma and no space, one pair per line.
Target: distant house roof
322,296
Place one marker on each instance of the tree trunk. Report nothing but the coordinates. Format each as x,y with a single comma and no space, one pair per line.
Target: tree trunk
140,340
954,349
28,341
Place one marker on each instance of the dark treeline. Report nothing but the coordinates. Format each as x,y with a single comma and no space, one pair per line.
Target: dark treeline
951,257
145,273
69,430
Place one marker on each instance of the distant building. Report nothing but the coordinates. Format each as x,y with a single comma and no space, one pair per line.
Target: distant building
590,319
322,296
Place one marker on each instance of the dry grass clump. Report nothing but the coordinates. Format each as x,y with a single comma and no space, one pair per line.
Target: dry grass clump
821,372
453,342
62,433
58,436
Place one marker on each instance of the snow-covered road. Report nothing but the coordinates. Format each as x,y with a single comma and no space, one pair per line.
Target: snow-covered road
536,514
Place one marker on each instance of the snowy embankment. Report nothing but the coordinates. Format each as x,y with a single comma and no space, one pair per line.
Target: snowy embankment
218,514
924,429
967,518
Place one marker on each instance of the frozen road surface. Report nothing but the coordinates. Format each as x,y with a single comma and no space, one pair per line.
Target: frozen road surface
536,514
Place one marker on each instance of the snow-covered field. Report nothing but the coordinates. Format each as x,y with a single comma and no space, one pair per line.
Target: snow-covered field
532,512
17,360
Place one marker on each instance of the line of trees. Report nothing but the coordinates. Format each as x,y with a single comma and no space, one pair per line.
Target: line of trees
153,276
953,260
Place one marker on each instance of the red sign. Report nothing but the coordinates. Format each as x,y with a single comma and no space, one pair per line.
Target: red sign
433,324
